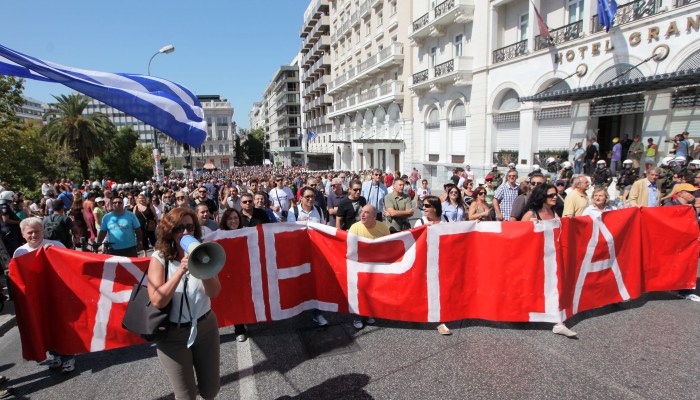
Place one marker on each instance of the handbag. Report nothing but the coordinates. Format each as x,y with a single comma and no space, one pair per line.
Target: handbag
142,318
150,225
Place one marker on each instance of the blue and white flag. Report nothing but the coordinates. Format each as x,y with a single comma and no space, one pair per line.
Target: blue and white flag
165,105
606,13
310,136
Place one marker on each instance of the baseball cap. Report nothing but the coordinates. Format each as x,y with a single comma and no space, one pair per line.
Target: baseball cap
489,176
99,200
683,187
560,182
615,140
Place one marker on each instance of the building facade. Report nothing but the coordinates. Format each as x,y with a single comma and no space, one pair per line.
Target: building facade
282,103
371,113
517,96
32,111
315,69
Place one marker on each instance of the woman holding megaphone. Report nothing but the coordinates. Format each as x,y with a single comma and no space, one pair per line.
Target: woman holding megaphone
191,346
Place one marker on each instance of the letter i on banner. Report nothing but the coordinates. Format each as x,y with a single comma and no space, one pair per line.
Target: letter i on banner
551,313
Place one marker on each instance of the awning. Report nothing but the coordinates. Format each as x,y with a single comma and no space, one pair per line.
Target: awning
621,87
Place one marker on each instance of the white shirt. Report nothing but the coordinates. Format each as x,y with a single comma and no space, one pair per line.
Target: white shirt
312,215
24,249
282,198
200,303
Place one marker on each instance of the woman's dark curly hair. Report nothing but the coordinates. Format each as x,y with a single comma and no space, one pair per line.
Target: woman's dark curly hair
165,244
539,196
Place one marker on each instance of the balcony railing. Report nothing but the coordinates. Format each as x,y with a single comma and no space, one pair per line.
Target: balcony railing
444,68
421,22
443,8
419,77
681,3
505,157
560,35
629,12
375,61
393,88
509,52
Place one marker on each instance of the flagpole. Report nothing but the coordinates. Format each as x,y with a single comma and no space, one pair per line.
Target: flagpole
167,49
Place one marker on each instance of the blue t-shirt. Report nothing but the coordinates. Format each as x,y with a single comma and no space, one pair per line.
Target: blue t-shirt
67,199
121,229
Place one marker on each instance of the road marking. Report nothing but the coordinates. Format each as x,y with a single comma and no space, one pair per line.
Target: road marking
246,378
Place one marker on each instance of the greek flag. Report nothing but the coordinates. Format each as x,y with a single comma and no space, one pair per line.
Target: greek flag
165,105
606,13
310,136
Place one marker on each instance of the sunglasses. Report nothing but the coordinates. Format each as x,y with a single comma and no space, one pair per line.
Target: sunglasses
551,195
453,192
246,201
355,189
181,228
278,180
117,202
310,197
202,191
535,183
426,205
560,184
481,194
180,198
512,176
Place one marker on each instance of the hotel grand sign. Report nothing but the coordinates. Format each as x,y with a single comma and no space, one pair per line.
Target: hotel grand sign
652,34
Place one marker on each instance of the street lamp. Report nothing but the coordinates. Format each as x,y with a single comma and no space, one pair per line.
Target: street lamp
64,168
167,49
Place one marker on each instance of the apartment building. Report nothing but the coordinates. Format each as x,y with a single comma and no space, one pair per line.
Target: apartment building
218,150
371,113
256,118
32,110
282,103
497,90
315,69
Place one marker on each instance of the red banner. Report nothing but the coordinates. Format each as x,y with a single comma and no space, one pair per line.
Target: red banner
514,271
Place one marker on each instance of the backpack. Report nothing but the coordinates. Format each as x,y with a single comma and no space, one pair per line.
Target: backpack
296,212
54,229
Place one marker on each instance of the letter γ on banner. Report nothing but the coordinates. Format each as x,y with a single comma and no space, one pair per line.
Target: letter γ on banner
275,275
108,297
355,267
589,267
552,313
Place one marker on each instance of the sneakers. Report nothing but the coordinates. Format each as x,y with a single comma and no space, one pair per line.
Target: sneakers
561,329
55,362
691,297
68,366
241,338
444,330
320,320
5,393
3,379
357,323
370,321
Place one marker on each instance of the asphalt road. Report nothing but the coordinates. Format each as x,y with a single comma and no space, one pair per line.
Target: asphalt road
644,349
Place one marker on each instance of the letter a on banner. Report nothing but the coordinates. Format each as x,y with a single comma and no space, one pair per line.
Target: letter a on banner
589,267
552,313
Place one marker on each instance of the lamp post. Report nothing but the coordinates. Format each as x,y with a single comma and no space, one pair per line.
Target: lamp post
167,49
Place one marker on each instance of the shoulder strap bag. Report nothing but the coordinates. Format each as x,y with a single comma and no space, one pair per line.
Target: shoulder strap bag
144,319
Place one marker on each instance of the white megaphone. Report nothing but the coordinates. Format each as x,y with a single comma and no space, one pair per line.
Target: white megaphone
206,259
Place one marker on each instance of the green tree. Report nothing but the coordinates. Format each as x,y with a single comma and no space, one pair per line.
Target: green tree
239,151
84,136
10,100
253,147
125,159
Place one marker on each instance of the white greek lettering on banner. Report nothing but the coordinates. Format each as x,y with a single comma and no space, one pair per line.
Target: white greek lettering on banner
551,313
108,297
610,263
274,275
355,267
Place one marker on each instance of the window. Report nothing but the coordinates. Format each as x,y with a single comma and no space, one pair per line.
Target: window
392,8
522,26
211,148
575,10
433,56
226,148
458,45
221,148
380,19
368,27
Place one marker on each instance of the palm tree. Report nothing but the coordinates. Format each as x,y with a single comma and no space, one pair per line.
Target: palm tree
85,136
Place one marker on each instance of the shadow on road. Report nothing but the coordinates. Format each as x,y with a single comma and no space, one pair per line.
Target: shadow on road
348,386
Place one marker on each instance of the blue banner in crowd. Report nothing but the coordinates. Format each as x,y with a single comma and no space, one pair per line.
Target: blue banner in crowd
165,105
606,13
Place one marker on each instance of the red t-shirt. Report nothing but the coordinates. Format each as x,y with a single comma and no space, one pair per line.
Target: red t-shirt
389,180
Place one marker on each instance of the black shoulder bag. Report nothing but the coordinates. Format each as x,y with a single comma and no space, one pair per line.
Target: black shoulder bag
142,318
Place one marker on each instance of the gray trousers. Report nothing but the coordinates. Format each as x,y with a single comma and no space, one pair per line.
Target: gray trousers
202,359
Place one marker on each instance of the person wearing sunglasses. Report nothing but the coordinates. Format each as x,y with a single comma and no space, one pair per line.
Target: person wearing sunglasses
520,204
181,200
541,208
479,210
453,208
202,197
192,369
282,199
374,191
250,215
307,210
124,230
432,215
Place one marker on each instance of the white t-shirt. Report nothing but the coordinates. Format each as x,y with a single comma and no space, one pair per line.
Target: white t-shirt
200,303
24,249
282,198
422,193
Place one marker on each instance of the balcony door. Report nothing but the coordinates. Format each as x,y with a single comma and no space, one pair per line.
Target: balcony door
574,8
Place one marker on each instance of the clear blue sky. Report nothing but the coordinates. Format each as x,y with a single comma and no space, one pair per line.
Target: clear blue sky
230,48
